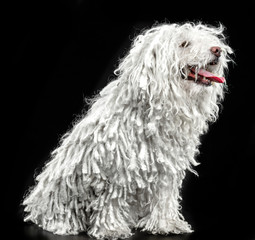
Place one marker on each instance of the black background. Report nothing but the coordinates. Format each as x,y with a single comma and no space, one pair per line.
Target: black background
63,51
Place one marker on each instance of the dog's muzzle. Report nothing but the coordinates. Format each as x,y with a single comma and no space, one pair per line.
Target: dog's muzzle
202,75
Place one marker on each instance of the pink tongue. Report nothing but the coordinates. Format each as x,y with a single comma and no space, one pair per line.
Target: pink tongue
210,76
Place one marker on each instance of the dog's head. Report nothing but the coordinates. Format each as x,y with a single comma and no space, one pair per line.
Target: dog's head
194,52
177,63
203,54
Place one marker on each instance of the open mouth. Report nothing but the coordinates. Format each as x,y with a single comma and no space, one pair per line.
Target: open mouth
202,76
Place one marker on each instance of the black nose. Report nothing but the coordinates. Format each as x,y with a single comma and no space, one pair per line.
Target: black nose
216,51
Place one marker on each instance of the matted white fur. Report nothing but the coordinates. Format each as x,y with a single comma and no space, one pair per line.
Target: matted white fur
122,165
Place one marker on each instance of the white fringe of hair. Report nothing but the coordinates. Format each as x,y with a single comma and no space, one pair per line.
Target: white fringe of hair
122,164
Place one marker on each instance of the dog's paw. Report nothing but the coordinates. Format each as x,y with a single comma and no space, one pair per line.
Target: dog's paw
109,233
180,227
164,227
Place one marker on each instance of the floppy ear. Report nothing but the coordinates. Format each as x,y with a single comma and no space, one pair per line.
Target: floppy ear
147,70
160,63
137,69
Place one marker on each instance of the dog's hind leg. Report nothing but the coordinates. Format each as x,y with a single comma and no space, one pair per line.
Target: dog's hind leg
58,205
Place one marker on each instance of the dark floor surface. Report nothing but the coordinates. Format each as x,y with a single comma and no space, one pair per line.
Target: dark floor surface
28,231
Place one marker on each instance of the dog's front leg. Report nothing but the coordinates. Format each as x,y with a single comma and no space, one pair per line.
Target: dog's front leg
111,217
163,216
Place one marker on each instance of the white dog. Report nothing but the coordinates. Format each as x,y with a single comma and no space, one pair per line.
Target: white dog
122,165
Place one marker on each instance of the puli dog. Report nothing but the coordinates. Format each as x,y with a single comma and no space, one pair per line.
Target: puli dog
122,164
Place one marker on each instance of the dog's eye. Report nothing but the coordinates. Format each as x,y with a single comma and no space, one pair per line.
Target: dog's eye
185,44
